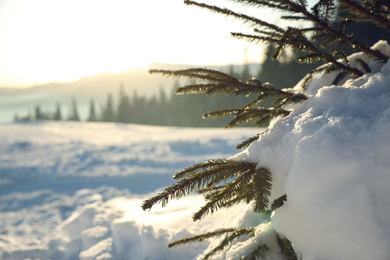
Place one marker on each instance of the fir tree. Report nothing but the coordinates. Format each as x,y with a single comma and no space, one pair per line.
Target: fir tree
74,114
57,114
108,111
225,182
39,115
92,112
123,107
138,114
152,111
163,108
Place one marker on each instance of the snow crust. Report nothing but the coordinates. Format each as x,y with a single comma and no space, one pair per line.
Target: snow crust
74,190
331,157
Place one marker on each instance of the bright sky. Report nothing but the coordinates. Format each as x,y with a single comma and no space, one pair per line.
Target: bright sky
63,40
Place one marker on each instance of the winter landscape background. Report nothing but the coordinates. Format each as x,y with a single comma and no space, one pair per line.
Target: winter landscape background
73,190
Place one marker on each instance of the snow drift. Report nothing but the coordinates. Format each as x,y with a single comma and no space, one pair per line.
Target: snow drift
330,156
74,190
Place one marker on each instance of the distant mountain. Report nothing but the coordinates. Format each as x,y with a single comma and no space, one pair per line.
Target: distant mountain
21,101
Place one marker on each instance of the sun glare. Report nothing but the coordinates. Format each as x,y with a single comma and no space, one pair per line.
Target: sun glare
45,40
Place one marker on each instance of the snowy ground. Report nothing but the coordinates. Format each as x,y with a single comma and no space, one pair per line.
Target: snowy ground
74,190
330,157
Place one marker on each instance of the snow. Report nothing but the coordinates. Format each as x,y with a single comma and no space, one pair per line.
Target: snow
74,190
331,157
265,235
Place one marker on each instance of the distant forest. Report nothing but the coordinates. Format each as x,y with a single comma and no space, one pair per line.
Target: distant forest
175,110
161,109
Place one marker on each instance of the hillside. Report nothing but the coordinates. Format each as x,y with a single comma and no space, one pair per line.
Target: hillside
97,86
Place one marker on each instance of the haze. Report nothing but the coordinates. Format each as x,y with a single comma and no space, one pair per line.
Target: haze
63,40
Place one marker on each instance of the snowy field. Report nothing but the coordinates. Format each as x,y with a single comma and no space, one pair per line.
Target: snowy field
74,190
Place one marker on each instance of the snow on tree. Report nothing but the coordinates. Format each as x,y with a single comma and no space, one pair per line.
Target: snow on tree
319,175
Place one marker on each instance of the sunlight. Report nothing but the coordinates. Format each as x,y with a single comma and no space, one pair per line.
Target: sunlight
48,40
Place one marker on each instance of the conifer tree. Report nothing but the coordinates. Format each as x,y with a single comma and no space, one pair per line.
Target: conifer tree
123,107
39,115
163,107
74,114
108,111
139,104
92,112
57,114
225,182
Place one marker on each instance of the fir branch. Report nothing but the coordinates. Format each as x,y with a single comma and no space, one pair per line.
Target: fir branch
342,55
258,3
255,186
219,83
281,44
327,11
310,58
254,38
333,33
296,98
205,74
263,121
221,113
256,254
364,65
326,68
250,112
214,89
246,143
241,167
294,18
286,248
243,17
316,30
268,33
247,115
304,44
210,190
198,176
256,101
199,167
217,199
228,240
278,202
246,196
340,76
329,41
379,20
231,235
202,237
263,182
331,69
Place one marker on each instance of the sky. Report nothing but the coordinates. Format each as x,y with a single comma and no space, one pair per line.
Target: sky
62,40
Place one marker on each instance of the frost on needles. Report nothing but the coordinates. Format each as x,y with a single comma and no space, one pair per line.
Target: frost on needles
265,173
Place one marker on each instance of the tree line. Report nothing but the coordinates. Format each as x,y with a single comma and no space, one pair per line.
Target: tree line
159,109
171,109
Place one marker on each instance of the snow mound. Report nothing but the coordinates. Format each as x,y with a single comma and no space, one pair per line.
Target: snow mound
331,157
67,196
